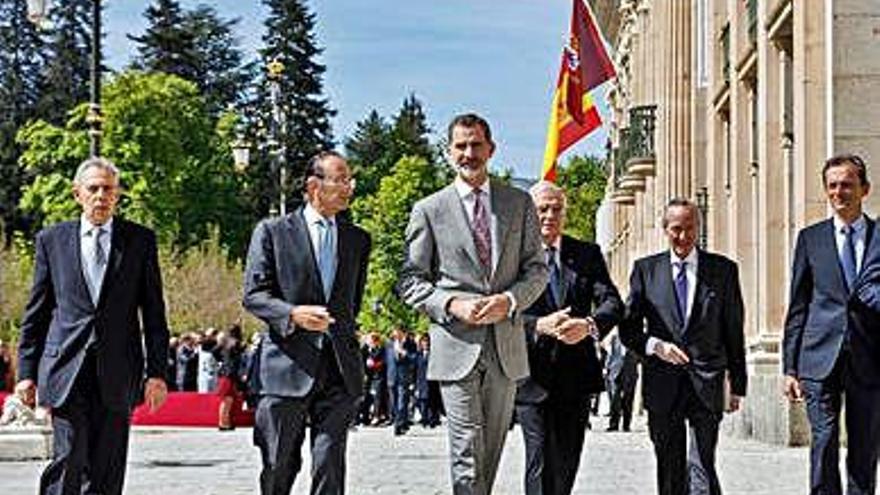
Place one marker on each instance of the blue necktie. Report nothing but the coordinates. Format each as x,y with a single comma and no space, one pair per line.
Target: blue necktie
326,256
555,281
848,258
681,291
97,262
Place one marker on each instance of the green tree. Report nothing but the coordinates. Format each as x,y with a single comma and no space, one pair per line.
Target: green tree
376,146
368,152
385,216
175,164
68,64
198,46
584,180
306,130
21,62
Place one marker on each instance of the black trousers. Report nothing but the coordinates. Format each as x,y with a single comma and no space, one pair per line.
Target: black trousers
824,400
280,427
90,442
553,434
683,469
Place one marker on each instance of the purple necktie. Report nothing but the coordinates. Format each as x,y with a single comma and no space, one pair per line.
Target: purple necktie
482,237
681,291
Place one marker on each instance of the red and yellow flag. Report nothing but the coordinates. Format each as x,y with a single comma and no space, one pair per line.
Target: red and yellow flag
585,65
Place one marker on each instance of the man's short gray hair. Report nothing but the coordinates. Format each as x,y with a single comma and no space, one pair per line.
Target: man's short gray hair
547,187
683,202
95,162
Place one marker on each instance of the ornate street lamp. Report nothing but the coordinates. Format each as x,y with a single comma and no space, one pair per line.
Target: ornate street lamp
38,11
278,128
703,206
241,153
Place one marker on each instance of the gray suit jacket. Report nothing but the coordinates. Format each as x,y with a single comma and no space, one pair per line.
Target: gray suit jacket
441,262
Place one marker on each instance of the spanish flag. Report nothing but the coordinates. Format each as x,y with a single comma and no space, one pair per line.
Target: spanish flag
585,65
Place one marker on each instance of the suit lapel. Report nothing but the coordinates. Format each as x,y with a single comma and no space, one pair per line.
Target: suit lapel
870,253
72,242
502,222
704,271
114,262
455,206
298,233
344,257
666,294
827,247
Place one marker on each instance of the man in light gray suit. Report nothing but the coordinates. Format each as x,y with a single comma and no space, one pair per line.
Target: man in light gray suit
474,262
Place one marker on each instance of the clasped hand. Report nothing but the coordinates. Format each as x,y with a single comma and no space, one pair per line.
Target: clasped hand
560,325
480,310
311,318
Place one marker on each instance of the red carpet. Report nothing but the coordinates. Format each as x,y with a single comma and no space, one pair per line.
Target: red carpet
188,409
182,409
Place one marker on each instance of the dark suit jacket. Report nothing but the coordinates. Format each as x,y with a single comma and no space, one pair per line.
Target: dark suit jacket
822,311
712,337
282,272
571,372
60,316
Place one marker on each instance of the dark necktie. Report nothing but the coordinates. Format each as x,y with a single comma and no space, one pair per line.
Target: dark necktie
848,258
482,236
681,290
555,282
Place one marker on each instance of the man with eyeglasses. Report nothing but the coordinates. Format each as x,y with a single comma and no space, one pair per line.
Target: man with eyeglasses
305,279
831,344
96,304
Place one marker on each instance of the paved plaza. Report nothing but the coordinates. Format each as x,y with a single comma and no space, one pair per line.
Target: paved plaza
208,462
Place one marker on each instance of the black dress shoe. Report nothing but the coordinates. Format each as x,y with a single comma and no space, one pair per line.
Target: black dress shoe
611,428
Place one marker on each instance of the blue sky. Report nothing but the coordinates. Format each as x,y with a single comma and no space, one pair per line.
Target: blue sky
497,58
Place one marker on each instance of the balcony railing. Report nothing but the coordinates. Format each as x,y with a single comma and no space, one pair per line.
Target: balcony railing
621,155
725,54
640,135
752,19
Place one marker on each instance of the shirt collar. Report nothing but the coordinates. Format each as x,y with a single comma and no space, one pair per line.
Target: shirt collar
557,244
858,226
312,216
690,259
86,227
463,188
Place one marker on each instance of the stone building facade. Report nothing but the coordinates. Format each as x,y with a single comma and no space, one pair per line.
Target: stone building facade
736,104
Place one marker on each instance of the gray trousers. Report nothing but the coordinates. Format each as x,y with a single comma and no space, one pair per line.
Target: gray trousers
479,408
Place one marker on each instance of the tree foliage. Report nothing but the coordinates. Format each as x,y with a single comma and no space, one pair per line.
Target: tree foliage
175,164
377,146
385,216
68,61
21,61
305,111
198,46
584,182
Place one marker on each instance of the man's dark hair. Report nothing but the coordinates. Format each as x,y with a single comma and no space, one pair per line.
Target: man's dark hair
314,168
469,120
843,159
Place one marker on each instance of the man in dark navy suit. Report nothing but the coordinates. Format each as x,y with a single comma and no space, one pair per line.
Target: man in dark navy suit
831,346
305,279
578,306
95,305
685,319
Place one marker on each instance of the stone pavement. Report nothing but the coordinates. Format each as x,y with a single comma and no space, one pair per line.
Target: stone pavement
208,462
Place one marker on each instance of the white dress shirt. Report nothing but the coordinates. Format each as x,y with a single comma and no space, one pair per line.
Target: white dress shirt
313,220
691,273
860,230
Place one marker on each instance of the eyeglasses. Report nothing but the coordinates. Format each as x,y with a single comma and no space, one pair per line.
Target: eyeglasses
349,182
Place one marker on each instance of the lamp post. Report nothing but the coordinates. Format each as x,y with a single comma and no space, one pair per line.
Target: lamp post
703,206
274,144
37,13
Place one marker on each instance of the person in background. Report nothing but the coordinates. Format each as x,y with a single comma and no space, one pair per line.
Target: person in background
207,376
187,363
427,394
400,354
171,368
5,367
230,356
